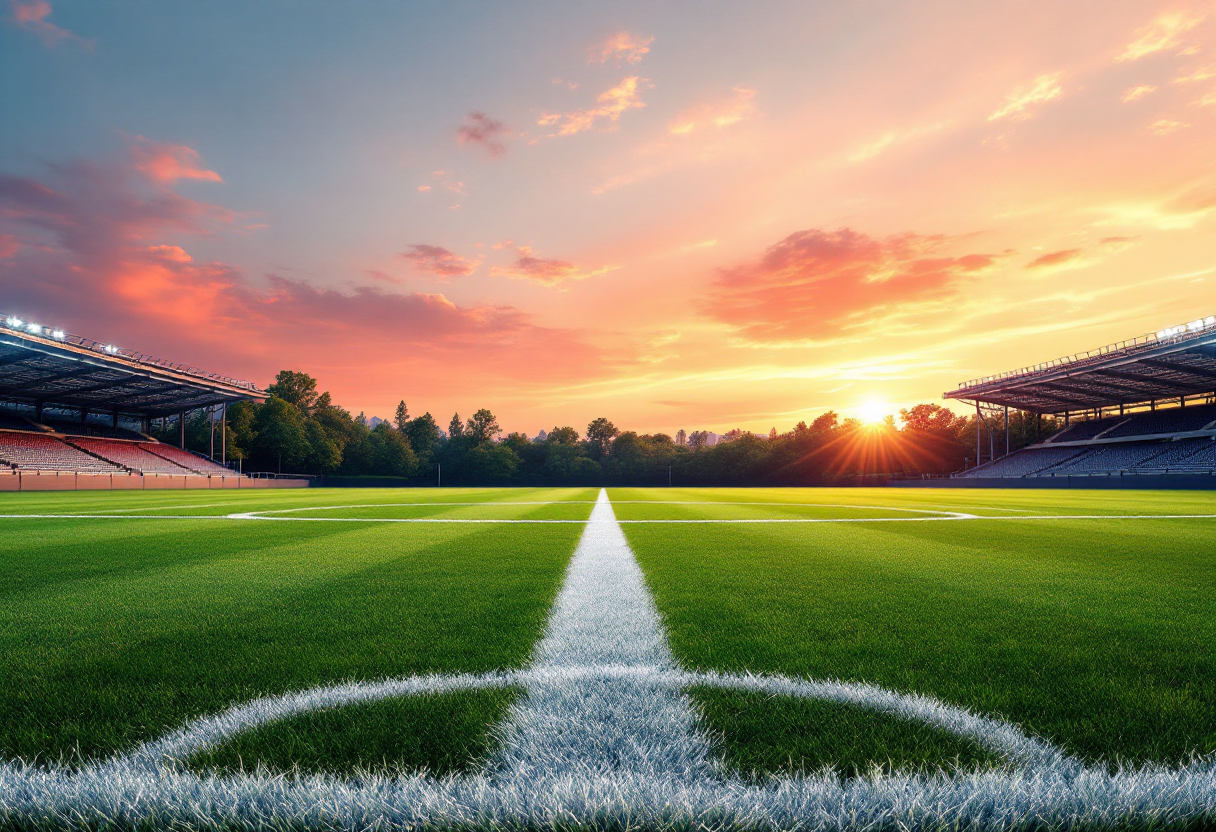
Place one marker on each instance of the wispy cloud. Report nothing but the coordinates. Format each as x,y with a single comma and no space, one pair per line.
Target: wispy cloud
439,261
1138,92
740,105
33,14
1162,34
545,271
1021,102
1165,126
609,106
1203,73
623,47
485,132
166,163
1056,259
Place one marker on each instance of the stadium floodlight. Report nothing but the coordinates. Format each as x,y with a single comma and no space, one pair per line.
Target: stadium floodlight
111,349
15,323
34,329
58,334
1210,320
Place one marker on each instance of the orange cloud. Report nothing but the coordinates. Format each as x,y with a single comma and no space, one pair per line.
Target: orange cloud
546,272
817,283
485,132
1055,259
610,104
1019,104
741,105
621,47
166,163
1163,33
1138,92
439,261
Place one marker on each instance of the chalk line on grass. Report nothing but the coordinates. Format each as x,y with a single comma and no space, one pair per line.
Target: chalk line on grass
605,739
603,617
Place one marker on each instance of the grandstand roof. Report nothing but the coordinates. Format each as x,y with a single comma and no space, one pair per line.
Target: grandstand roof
41,364
1173,362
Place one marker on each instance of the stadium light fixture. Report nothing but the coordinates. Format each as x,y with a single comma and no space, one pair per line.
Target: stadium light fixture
58,334
110,349
15,323
34,329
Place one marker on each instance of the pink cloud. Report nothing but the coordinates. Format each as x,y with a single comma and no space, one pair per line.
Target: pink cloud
108,257
545,271
166,163
623,47
439,261
609,107
816,283
485,132
9,246
33,14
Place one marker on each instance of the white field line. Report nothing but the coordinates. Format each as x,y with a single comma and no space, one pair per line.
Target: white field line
603,617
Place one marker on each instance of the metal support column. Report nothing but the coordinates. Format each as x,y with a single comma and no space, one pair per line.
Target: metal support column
211,455
181,429
224,435
1006,430
979,423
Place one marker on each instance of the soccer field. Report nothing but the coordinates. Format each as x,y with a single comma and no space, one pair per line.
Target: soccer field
731,658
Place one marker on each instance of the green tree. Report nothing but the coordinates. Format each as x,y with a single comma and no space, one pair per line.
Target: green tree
389,453
295,388
562,436
423,434
600,434
324,451
489,463
482,426
402,417
280,442
455,427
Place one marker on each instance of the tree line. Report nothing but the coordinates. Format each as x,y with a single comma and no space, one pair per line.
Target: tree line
299,430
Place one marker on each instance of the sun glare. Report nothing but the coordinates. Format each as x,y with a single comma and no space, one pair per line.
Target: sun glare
872,413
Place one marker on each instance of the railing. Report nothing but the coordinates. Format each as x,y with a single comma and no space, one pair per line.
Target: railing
16,324
1171,335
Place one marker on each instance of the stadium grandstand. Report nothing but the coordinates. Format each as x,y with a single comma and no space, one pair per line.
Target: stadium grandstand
1139,408
76,413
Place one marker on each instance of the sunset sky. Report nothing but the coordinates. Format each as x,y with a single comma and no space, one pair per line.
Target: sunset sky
674,215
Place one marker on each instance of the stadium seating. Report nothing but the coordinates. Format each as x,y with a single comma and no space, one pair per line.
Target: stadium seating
1112,458
1080,431
40,452
1174,420
197,464
1026,462
91,429
1185,456
130,455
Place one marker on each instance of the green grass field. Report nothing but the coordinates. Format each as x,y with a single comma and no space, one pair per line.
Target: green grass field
114,630
1094,633
1047,609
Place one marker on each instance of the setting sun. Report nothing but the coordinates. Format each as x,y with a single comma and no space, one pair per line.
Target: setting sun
872,413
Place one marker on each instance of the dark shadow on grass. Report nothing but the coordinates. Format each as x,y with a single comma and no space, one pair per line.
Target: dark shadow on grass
439,733
759,735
